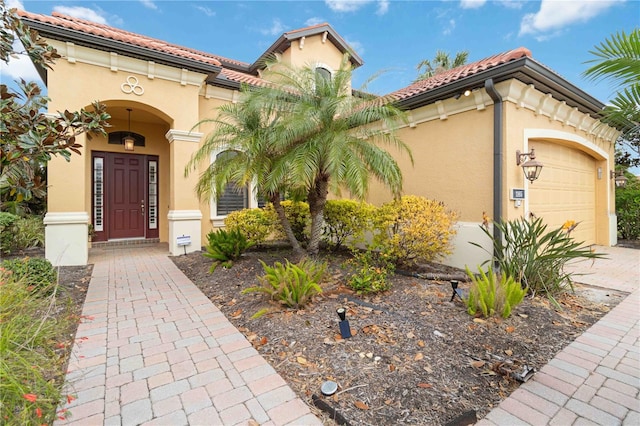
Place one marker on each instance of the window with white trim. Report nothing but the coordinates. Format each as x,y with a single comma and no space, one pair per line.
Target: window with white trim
233,198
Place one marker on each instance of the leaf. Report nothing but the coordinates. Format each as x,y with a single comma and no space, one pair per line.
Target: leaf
424,385
428,369
510,329
263,341
301,360
478,364
410,335
421,343
392,368
418,356
236,314
361,405
479,320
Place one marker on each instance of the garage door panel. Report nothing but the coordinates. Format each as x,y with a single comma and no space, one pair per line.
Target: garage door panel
565,189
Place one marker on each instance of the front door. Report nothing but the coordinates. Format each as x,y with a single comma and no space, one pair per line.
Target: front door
124,196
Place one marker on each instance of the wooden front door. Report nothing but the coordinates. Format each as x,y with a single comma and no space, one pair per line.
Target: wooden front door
127,196
124,196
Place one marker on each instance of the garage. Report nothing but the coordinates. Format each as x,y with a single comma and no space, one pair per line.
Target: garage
566,189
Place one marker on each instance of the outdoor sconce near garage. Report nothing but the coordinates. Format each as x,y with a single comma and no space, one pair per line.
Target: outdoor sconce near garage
531,167
128,140
620,180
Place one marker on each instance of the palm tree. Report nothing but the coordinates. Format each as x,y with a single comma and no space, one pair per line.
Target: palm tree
247,134
617,59
441,62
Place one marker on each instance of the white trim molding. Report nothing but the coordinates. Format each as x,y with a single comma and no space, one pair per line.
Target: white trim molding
183,135
67,238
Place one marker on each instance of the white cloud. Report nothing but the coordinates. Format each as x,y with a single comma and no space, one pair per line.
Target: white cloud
472,4
207,11
19,67
512,4
356,46
451,26
149,4
313,21
277,28
11,4
82,13
554,16
353,5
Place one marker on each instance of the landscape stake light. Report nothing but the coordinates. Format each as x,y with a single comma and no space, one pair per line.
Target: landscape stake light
345,328
456,290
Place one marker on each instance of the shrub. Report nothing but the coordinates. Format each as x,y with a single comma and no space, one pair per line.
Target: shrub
255,224
34,272
536,257
299,217
628,209
29,395
414,229
8,231
372,269
225,247
346,220
30,232
293,285
490,296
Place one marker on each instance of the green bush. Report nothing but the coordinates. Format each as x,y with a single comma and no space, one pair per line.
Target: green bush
8,231
224,247
34,272
346,220
371,271
414,229
536,257
256,224
29,362
30,232
490,296
291,284
628,209
299,217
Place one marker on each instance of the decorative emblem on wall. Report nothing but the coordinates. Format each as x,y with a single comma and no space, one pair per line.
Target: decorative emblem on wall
132,85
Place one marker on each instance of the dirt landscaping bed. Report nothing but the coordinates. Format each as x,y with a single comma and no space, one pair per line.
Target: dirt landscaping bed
414,357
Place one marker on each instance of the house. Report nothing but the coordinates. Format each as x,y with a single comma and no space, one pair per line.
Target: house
465,127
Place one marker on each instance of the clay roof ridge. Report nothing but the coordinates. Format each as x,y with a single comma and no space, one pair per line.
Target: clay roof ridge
310,27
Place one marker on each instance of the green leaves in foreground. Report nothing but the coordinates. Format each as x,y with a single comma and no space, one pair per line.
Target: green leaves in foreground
490,296
225,247
291,284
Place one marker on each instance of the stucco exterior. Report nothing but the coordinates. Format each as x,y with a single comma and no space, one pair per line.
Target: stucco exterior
452,138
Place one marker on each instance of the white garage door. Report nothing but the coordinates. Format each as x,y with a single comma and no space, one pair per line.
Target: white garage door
565,189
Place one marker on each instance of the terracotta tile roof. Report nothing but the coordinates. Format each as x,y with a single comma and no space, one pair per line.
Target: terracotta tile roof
311,27
459,73
101,30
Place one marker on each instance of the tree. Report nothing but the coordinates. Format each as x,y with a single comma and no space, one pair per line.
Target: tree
318,138
617,60
29,137
441,62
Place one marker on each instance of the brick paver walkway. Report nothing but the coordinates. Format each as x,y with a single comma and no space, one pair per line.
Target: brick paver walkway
152,349
596,379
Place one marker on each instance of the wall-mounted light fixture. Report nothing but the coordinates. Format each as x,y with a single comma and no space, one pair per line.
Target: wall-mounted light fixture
129,140
619,178
531,167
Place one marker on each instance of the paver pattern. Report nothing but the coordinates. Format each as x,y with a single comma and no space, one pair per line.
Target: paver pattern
596,379
153,350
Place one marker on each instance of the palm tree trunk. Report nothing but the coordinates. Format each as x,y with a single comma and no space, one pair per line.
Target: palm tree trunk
317,199
295,244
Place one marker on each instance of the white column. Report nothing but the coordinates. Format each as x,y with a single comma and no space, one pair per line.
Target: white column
184,223
66,238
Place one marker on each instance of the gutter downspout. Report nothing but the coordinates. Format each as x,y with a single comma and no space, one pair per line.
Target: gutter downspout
497,155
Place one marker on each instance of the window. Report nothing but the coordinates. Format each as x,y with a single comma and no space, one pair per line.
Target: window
234,197
323,73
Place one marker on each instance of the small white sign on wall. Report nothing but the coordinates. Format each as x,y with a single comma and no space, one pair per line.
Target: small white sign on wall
518,194
184,240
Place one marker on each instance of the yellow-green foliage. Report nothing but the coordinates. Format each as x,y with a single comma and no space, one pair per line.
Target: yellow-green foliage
256,224
414,229
291,284
490,296
299,217
346,220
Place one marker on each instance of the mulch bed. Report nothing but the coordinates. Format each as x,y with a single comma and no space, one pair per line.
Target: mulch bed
414,357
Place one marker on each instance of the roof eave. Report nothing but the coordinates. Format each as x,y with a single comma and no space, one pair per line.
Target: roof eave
524,69
101,43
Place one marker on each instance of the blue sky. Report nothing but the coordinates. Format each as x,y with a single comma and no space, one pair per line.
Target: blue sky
389,35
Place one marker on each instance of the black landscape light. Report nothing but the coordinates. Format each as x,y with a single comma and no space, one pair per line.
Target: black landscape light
456,290
345,328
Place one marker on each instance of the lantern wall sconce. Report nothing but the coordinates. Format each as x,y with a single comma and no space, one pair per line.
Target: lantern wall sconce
619,179
129,140
531,167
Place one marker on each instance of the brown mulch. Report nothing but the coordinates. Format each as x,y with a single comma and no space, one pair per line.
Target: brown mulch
414,357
